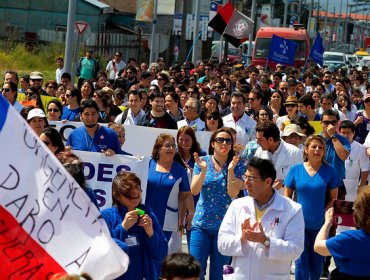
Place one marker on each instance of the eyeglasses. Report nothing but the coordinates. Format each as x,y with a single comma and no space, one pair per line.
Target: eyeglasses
46,143
291,105
212,118
54,110
329,122
222,140
251,178
169,146
36,80
8,89
188,107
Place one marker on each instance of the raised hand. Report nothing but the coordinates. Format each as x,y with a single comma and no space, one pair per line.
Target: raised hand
202,164
147,223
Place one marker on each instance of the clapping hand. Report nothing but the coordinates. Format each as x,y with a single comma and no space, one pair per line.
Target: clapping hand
202,164
250,234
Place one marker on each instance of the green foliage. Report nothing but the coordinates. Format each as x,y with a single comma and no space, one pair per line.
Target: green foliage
25,60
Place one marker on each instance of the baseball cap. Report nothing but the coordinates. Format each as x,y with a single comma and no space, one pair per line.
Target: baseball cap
366,96
36,75
35,113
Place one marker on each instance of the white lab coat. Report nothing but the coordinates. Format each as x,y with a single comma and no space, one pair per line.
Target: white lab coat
282,222
245,128
283,159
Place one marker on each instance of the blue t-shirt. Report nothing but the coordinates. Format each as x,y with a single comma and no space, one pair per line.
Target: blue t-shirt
332,157
311,191
104,138
351,252
214,199
162,193
71,115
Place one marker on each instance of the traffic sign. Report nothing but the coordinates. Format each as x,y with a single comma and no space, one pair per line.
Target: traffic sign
81,27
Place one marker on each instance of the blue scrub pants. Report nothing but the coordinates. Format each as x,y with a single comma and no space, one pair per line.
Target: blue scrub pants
203,243
310,265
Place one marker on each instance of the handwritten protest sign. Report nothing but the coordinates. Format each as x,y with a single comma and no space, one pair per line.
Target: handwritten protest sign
48,224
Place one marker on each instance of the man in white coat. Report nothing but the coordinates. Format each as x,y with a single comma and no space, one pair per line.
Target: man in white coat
282,154
263,232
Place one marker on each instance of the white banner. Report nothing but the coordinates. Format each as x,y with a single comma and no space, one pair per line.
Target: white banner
100,170
139,139
48,224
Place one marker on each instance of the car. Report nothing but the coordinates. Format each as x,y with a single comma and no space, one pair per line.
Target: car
365,61
352,60
334,56
361,53
333,65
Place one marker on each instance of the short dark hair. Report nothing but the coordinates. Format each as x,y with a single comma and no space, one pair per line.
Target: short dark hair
347,124
180,265
238,94
327,96
329,113
265,168
269,129
66,75
307,100
156,95
57,103
146,74
89,103
55,138
76,92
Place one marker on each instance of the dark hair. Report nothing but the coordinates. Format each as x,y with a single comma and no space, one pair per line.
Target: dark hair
303,123
51,82
362,210
346,97
57,103
12,72
156,95
347,124
269,129
76,92
213,139
13,86
119,93
88,103
195,147
75,168
180,265
215,114
135,92
238,95
168,87
66,75
158,144
327,96
122,183
265,168
175,97
267,110
329,113
26,78
145,75
307,100
55,138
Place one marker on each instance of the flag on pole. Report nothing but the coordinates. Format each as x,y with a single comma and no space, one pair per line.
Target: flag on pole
317,50
282,50
232,24
48,224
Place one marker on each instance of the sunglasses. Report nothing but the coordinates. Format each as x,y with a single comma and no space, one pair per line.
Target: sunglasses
218,87
291,105
8,90
212,118
36,80
159,79
329,122
222,140
54,110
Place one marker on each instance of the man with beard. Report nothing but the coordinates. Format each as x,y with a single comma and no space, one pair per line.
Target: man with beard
157,116
93,137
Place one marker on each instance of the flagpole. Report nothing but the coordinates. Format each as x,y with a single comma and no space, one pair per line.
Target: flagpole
222,35
192,46
305,64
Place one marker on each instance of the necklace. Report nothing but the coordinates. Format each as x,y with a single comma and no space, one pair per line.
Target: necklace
90,143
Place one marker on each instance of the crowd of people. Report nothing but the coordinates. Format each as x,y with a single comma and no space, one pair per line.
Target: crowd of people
284,145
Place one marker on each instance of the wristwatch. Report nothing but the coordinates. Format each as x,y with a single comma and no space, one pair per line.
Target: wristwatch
267,242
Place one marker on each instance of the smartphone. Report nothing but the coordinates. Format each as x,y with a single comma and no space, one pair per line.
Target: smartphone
343,211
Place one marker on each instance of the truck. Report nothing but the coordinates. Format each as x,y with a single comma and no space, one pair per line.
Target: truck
263,43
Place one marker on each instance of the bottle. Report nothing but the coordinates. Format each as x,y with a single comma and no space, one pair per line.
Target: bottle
228,272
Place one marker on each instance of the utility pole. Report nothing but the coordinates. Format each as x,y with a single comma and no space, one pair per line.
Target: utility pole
253,17
69,37
285,13
196,31
309,19
153,49
326,21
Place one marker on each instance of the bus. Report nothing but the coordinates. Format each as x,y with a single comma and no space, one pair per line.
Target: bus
263,43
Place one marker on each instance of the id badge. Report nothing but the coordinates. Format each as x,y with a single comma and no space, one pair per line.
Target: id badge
131,241
368,126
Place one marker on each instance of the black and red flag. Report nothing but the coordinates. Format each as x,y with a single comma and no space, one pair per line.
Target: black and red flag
232,24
